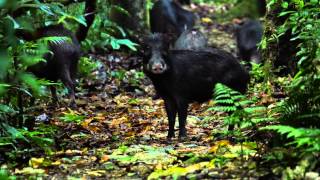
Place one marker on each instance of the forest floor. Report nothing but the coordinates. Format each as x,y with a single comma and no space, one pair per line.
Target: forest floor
119,132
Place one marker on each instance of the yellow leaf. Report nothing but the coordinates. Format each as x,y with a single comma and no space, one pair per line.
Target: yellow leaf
104,158
82,161
213,149
223,143
85,123
159,166
116,122
219,144
72,152
206,20
68,151
93,158
178,171
196,167
230,155
56,163
96,173
94,98
36,162
29,170
100,116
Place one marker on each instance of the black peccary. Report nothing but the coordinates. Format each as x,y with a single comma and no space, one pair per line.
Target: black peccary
168,17
183,76
61,63
188,2
249,35
191,39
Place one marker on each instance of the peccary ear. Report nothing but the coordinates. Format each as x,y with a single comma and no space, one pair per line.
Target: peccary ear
144,43
25,34
144,40
167,40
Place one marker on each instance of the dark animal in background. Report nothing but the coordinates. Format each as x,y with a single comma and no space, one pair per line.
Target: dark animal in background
62,63
183,76
286,58
262,7
249,35
168,17
188,2
191,39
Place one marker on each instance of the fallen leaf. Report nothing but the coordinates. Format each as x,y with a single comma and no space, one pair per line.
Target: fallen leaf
217,145
96,173
206,20
36,162
104,158
29,170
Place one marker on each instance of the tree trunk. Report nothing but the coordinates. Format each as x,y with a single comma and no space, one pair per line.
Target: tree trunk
279,51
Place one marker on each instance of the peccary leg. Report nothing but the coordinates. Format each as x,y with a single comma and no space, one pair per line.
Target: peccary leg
54,95
171,109
182,112
245,55
74,68
67,81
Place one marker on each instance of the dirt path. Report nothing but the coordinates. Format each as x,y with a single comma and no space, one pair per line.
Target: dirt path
128,141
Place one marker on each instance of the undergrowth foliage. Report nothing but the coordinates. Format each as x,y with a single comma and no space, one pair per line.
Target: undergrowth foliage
18,87
299,113
104,33
16,54
241,110
306,138
302,108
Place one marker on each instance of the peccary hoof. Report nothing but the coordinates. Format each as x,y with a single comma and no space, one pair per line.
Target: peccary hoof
170,136
183,138
73,105
156,96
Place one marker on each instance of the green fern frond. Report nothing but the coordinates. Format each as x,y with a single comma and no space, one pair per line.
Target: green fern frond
302,137
242,111
224,101
234,93
255,109
55,39
223,108
261,120
302,109
245,102
236,96
222,96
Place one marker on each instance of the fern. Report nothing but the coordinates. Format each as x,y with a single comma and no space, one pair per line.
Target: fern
300,112
306,138
241,110
226,98
54,39
303,106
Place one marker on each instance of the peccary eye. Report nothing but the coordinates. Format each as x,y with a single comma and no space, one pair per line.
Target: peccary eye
164,53
148,52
